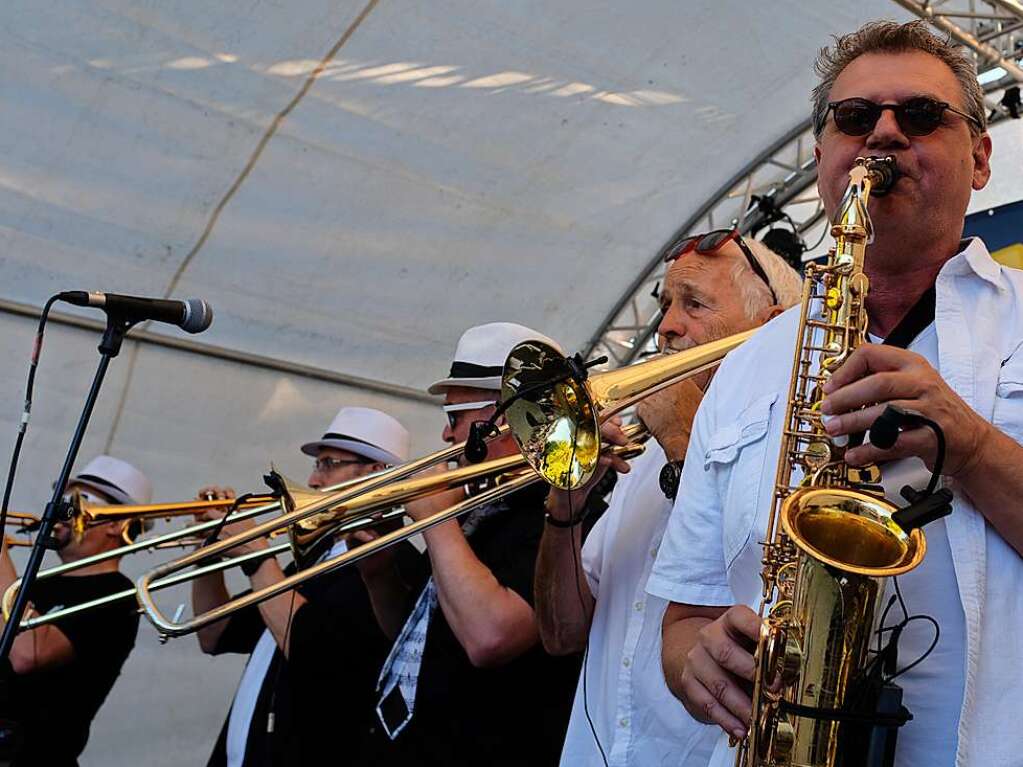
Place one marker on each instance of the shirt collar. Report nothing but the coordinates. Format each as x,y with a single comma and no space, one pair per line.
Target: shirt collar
973,257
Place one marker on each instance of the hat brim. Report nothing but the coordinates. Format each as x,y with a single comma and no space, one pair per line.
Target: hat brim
372,452
113,493
492,383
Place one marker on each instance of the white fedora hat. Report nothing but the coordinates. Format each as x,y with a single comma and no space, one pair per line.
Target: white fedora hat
117,479
367,432
481,352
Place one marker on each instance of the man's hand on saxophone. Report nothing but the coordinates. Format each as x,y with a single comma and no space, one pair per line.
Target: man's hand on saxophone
876,376
710,663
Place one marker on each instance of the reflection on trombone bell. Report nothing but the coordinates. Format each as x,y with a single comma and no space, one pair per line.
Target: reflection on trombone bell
387,490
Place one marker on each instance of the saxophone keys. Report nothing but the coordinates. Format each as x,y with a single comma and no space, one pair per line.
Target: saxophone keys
833,298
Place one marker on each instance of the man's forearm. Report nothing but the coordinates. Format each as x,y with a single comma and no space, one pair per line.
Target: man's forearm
678,636
209,591
994,484
563,601
491,622
389,595
277,612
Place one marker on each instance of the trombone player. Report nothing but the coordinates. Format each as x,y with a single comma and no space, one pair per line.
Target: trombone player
296,641
74,661
591,594
467,680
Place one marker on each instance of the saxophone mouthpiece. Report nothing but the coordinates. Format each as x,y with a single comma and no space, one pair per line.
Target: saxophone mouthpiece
884,173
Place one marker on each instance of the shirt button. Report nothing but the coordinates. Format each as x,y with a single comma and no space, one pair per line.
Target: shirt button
639,607
624,722
653,553
626,662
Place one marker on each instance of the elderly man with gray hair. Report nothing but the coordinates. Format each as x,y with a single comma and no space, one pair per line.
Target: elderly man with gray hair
592,594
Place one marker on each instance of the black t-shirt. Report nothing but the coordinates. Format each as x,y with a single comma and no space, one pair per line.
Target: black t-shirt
56,707
323,697
515,714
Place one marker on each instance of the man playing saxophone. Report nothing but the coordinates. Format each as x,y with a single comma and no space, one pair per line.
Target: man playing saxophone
887,89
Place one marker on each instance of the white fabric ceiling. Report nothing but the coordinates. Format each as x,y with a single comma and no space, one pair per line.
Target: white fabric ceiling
454,163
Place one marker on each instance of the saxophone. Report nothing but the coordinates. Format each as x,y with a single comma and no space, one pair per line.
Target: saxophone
831,541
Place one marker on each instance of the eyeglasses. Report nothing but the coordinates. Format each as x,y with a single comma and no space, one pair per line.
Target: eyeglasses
327,463
918,116
712,242
451,411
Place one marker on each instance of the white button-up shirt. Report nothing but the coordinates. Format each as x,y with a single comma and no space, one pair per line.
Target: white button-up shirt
711,551
637,719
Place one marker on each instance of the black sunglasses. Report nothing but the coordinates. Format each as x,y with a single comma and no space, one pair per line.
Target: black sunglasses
918,116
711,242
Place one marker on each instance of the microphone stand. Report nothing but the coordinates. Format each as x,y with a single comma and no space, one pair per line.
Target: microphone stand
57,510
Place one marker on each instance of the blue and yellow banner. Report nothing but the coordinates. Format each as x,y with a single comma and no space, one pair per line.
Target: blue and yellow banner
1001,229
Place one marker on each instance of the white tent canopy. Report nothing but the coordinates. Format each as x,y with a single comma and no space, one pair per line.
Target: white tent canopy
350,185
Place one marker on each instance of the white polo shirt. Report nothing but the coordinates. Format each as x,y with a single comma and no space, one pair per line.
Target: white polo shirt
637,719
711,551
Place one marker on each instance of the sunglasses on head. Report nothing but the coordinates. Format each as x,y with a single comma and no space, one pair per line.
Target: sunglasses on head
918,116
711,242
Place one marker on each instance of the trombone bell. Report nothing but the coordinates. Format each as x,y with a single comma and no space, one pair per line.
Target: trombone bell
556,413
555,426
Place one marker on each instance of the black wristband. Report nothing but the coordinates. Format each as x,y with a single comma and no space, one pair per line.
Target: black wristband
250,566
562,523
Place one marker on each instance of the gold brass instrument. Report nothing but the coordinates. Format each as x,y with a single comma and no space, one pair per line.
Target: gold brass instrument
830,543
84,513
555,411
23,523
340,511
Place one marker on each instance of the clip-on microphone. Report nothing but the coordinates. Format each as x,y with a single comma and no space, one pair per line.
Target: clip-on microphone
925,506
476,443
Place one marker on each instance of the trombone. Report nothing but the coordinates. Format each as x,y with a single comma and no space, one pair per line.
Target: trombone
552,415
507,475
554,410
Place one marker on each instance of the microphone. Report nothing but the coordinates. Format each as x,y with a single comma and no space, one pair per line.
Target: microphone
192,315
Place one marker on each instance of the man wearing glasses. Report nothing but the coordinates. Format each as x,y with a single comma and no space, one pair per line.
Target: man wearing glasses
467,681
592,595
313,652
886,89
77,659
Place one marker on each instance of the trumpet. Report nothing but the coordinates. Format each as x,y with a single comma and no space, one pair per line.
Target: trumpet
23,523
340,512
84,513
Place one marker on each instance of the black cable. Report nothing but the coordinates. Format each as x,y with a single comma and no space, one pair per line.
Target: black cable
906,621
27,411
280,666
215,532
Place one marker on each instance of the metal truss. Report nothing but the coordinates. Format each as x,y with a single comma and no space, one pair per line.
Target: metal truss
783,177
